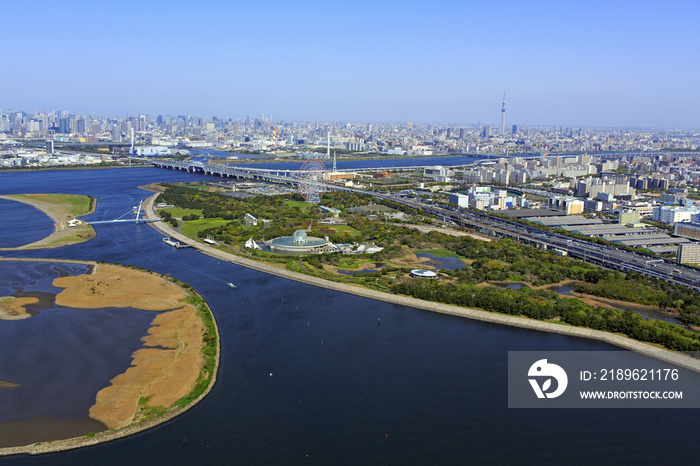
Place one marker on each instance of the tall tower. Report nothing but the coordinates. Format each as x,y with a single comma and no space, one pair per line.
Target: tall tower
503,114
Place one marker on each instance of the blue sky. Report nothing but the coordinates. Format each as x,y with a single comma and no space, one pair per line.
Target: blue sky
568,63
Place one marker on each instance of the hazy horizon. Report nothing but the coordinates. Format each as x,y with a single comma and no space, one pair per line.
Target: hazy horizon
595,64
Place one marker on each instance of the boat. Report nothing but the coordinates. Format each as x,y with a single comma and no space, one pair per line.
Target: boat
232,285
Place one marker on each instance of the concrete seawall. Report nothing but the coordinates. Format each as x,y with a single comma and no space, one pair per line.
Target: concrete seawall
679,359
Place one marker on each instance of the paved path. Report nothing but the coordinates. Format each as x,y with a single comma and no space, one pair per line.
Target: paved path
676,358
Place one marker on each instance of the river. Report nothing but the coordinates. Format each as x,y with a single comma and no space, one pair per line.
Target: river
309,375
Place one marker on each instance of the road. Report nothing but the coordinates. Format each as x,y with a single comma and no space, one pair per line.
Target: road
606,256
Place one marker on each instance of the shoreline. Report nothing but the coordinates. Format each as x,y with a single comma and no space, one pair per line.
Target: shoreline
621,341
118,432
59,225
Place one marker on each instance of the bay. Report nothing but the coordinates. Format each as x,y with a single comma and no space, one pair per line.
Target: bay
416,388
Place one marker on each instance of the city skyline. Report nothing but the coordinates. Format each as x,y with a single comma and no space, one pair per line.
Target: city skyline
623,65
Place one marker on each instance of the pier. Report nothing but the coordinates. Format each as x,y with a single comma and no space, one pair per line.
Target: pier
176,244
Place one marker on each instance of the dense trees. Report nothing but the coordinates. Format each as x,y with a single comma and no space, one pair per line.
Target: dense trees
488,261
542,305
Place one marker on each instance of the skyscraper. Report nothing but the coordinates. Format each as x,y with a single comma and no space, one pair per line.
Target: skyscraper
116,134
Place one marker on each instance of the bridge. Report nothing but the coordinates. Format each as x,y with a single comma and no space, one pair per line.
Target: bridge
292,177
229,171
261,173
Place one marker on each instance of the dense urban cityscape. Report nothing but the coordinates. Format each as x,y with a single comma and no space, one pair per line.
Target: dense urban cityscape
265,135
358,232
621,175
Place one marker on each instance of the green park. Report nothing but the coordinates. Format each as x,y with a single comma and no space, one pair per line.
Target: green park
488,273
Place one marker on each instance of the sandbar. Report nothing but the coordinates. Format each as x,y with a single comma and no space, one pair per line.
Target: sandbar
168,368
4,385
62,208
12,308
171,365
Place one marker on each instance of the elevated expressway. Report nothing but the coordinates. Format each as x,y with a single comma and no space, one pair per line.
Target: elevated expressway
263,174
605,256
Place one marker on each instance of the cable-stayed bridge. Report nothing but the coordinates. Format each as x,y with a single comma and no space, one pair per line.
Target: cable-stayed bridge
136,210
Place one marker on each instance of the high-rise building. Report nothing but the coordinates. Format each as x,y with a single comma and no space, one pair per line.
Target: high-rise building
64,125
116,134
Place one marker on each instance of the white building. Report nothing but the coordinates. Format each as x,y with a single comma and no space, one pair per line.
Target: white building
460,200
145,151
675,214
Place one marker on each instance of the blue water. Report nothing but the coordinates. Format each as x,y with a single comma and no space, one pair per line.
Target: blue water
49,352
22,224
564,289
449,263
417,388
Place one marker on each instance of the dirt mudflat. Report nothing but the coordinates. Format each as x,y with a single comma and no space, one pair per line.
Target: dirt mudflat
169,365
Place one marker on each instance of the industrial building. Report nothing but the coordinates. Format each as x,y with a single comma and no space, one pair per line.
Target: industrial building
689,253
688,230
145,151
675,214
569,205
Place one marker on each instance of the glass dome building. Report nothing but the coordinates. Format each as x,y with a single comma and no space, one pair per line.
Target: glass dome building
299,243
299,236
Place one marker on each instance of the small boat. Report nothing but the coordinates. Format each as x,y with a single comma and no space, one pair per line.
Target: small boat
232,285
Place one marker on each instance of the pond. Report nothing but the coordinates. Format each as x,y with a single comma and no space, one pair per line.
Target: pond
438,262
565,289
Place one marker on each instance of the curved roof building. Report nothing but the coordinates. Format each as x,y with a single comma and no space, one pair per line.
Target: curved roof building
299,243
420,273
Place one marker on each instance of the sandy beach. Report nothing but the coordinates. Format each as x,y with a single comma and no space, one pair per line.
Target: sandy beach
61,210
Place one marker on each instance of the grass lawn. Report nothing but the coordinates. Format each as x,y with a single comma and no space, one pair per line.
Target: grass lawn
301,205
79,205
193,227
348,264
69,205
179,213
344,229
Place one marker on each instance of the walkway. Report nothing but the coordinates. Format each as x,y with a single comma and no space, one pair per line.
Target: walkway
676,358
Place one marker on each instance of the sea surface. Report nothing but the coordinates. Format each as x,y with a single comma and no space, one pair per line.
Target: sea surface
314,376
47,353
